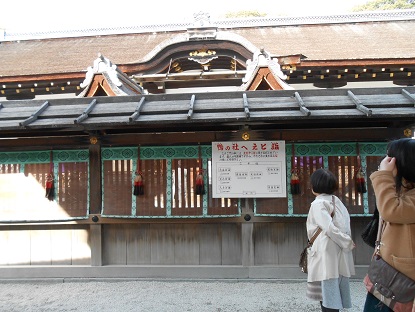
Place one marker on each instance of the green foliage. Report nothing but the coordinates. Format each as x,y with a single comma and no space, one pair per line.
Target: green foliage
244,14
376,5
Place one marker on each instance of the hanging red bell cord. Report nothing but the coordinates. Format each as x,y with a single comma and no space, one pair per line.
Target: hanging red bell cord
295,180
50,184
359,176
138,179
200,184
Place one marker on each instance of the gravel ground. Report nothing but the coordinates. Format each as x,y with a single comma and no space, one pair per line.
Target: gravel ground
163,296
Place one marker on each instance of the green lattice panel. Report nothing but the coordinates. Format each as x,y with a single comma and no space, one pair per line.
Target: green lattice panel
337,149
44,156
156,152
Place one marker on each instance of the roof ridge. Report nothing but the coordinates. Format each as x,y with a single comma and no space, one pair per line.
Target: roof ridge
367,16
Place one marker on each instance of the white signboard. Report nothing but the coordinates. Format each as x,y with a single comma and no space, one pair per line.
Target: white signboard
246,169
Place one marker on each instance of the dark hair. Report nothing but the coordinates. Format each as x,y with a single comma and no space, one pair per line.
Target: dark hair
404,152
323,181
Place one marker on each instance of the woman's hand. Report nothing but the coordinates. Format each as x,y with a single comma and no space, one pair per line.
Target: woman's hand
388,164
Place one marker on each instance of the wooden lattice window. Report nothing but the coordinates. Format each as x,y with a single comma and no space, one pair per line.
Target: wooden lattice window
73,187
345,169
23,187
305,166
9,168
38,171
185,202
117,178
153,201
118,186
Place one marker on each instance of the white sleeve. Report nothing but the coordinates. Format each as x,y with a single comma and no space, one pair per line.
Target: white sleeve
340,238
325,222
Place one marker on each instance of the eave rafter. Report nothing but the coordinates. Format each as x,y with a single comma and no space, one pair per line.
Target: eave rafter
400,71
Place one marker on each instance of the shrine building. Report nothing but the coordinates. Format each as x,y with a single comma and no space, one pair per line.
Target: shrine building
185,150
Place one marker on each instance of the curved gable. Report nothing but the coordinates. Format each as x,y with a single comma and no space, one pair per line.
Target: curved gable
230,50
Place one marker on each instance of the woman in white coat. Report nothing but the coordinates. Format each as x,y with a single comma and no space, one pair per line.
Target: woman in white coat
330,259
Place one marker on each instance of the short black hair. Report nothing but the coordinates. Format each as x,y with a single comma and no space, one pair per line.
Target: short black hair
404,152
323,181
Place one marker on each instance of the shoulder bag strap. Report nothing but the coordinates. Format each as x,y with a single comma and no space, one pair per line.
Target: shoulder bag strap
312,239
319,230
379,235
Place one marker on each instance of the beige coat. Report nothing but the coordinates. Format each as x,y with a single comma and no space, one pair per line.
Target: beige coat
331,254
398,238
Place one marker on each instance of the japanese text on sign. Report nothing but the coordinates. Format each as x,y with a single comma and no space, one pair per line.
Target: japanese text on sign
248,169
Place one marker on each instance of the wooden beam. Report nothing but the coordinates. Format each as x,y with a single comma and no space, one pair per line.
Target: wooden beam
408,95
359,104
300,101
191,105
86,112
137,111
35,115
202,137
45,142
246,106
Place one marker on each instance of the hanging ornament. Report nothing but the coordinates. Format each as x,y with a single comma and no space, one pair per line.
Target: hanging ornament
359,176
138,179
50,187
50,184
138,184
360,182
295,183
200,184
295,180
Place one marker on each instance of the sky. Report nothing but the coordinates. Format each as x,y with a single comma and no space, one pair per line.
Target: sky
49,15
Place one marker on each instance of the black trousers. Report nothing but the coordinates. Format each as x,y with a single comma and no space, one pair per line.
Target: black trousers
373,304
324,309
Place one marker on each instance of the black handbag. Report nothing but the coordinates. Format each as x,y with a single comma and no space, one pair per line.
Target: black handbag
393,288
370,232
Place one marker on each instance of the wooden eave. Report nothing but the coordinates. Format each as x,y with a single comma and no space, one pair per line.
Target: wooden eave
43,77
288,109
321,73
390,62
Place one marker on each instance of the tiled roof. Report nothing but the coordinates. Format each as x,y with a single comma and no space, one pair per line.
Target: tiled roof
371,37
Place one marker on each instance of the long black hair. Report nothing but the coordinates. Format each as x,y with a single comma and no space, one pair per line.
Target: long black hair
404,152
